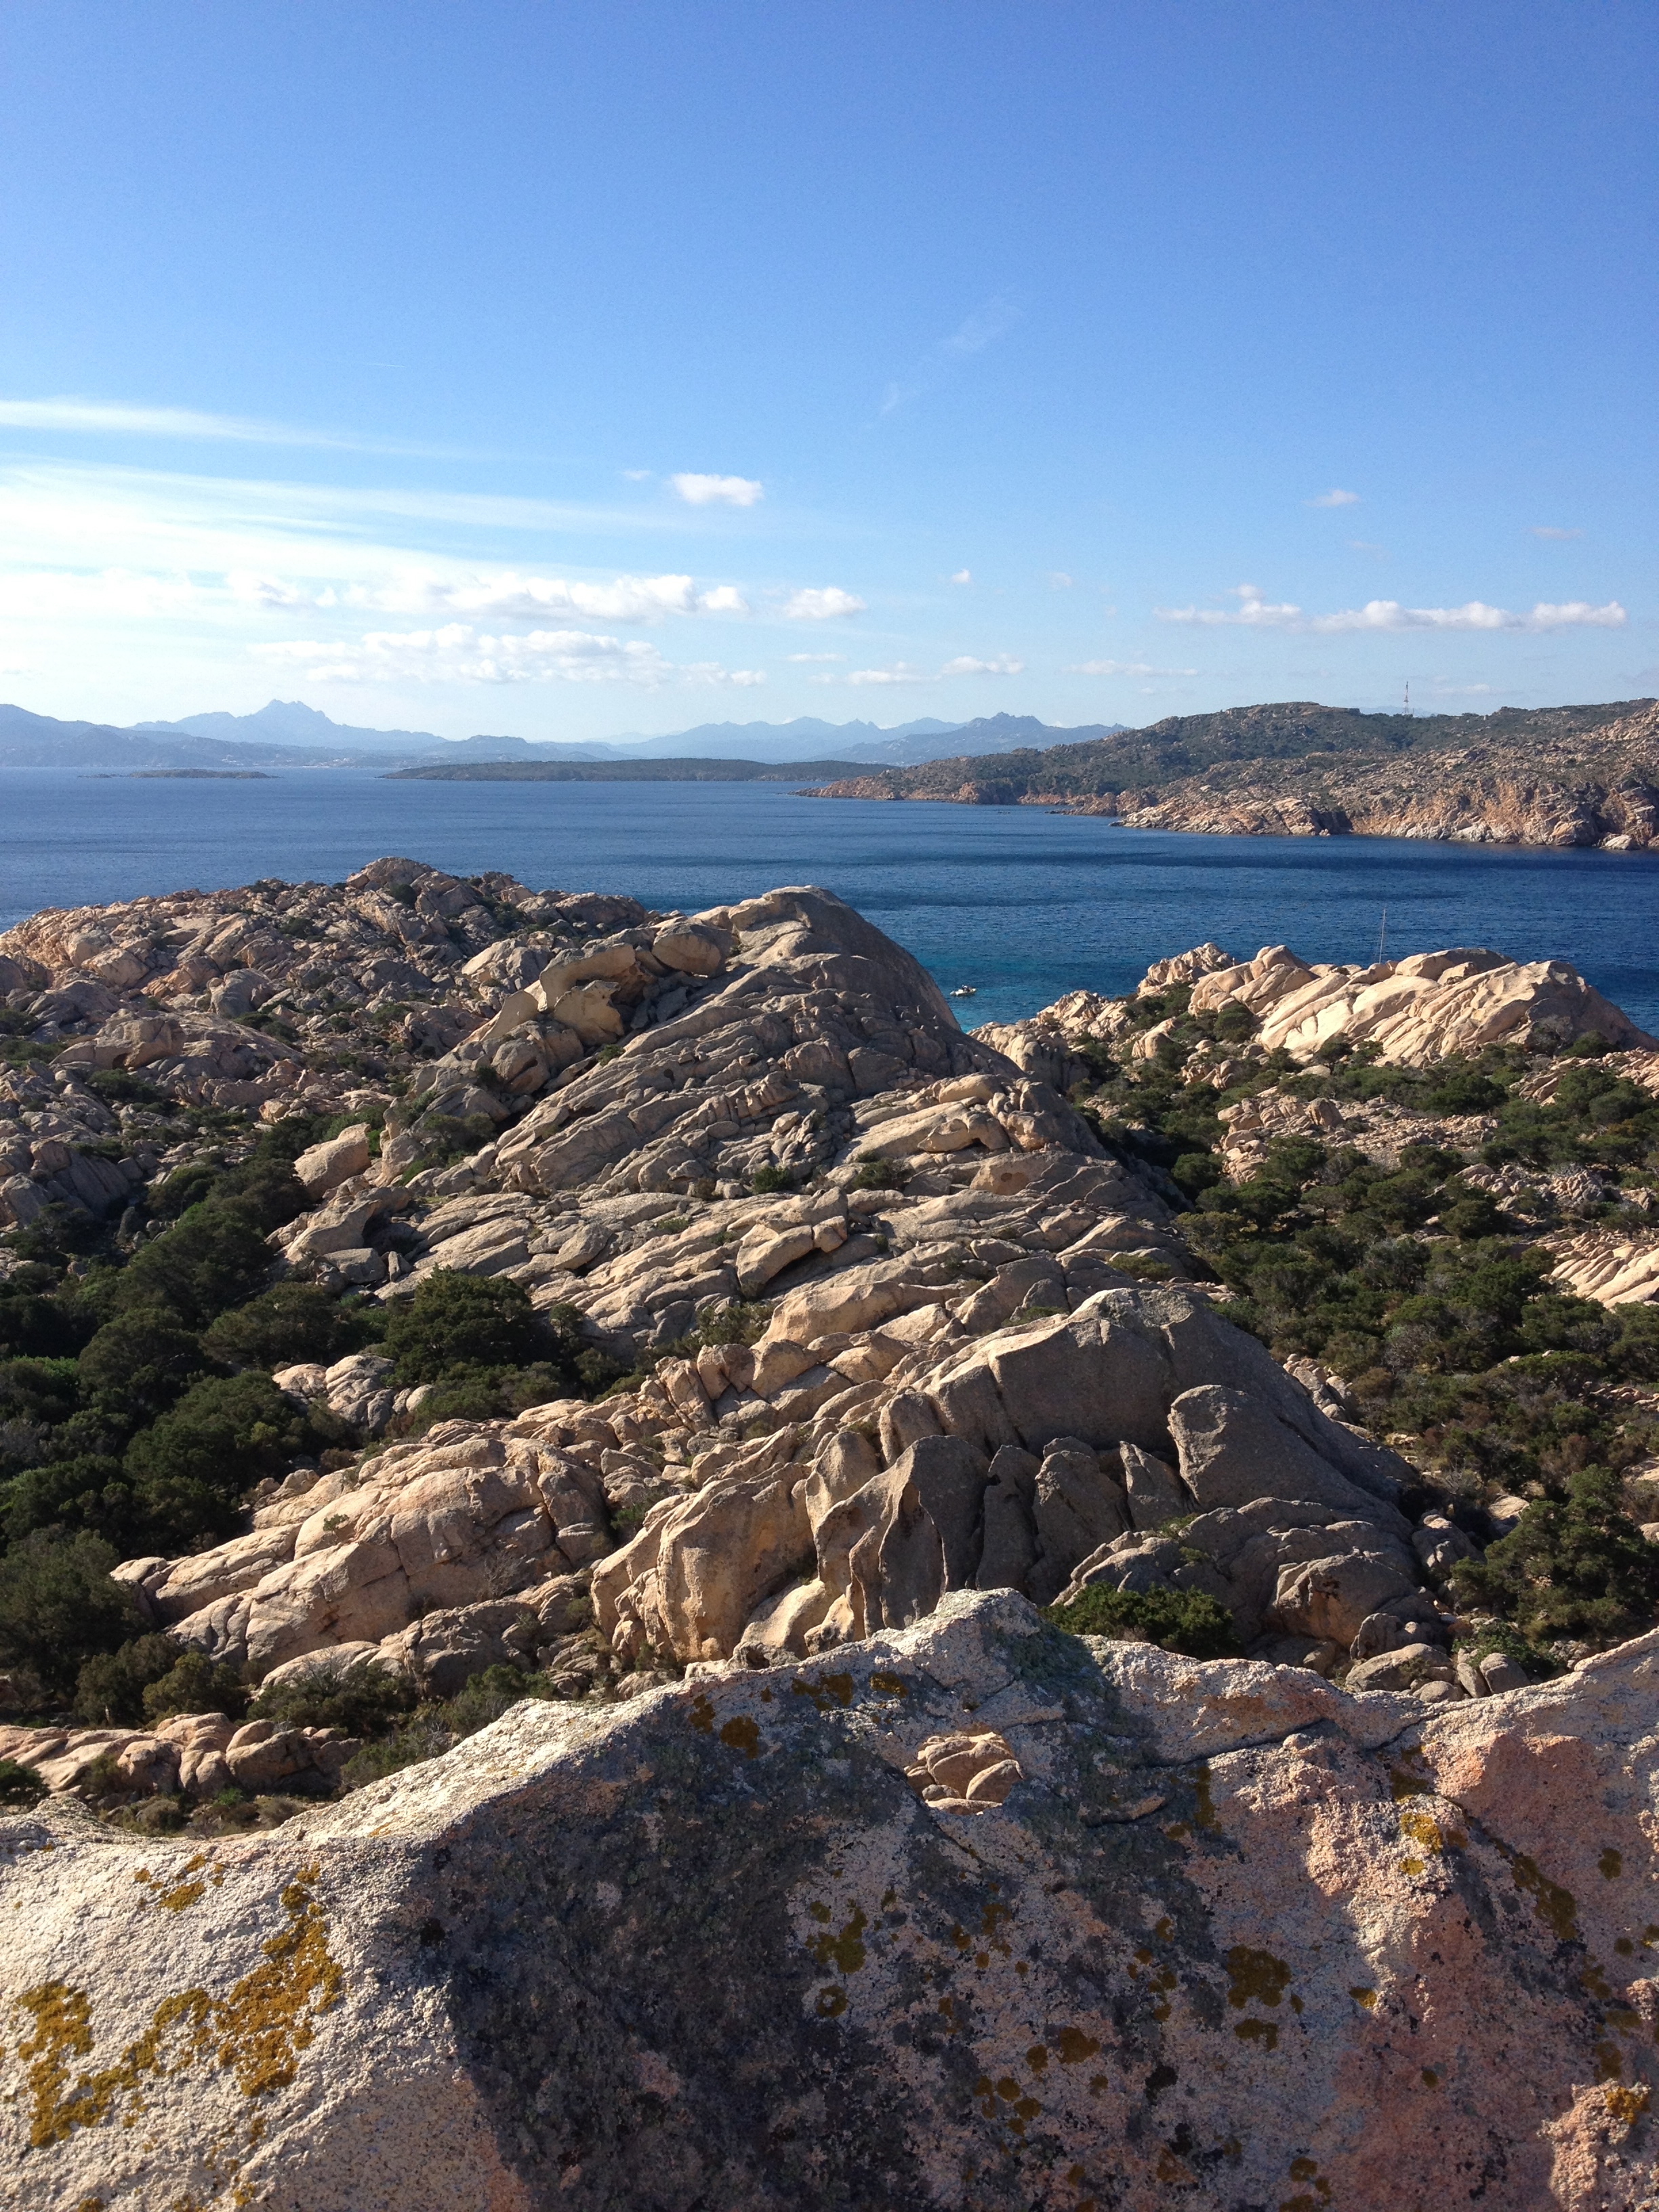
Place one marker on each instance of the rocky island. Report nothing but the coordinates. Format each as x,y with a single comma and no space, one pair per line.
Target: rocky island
638,1574
1548,776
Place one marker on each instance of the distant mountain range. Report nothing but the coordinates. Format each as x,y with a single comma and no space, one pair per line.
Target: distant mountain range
286,733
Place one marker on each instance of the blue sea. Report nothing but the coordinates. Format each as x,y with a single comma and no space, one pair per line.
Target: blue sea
1019,903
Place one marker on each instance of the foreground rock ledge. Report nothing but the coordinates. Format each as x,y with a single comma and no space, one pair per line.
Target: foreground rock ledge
1231,1936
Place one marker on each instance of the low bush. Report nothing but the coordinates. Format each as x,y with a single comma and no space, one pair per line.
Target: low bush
363,1699
58,1607
20,1787
466,1322
109,1690
1189,1621
1575,1566
287,1323
196,1683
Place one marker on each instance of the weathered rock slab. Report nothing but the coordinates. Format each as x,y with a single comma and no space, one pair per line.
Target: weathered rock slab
1230,1936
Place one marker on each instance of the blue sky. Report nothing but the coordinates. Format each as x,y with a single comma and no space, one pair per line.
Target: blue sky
565,370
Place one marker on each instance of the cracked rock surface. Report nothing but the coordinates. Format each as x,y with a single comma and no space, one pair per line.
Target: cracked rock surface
1219,1933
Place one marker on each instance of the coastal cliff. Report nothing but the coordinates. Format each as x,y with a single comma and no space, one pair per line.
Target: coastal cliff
1571,776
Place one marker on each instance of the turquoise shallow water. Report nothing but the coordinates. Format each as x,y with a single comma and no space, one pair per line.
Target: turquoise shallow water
1020,903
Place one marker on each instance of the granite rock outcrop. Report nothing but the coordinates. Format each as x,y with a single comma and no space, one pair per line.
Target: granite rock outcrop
973,1913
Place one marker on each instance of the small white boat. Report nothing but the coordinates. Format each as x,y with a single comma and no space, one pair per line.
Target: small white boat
964,991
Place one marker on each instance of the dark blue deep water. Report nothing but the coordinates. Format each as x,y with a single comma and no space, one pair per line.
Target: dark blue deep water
1020,903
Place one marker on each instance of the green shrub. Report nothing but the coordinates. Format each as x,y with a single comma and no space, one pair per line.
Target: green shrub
89,1492
20,1787
196,1683
363,1699
110,1688
141,1362
215,1258
1189,1621
58,1607
1576,1565
287,1323
468,1321
34,1325
875,1172
192,1469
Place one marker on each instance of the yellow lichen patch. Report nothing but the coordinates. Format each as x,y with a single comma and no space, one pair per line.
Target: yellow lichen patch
832,2001
742,1735
180,1898
1256,1977
889,1685
1204,1815
1626,2105
1609,2061
1258,2031
1310,2199
1074,2046
1555,1907
1611,1863
63,2031
1364,1997
1402,1783
845,1950
701,1717
265,2022
829,1690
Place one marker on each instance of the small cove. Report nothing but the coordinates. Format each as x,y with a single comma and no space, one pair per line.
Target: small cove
1019,903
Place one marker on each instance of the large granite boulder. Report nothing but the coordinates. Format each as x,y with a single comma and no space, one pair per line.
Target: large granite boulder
978,1915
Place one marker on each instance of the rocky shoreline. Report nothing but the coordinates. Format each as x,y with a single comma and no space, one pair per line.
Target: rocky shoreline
825,1439
1595,788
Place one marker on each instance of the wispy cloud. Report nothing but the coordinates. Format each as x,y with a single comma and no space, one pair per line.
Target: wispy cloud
1365,546
812,659
115,418
1549,529
718,491
965,664
1123,668
1059,581
625,600
962,576
823,604
991,319
1254,611
1334,498
456,653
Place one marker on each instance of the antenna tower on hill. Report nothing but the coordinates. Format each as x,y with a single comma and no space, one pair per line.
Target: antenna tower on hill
1408,696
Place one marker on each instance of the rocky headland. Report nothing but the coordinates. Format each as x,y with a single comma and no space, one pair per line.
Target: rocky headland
636,1573
1567,776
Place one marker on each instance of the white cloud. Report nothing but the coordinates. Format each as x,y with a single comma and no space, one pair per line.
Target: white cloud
900,673
117,419
636,476
1255,612
457,653
823,605
625,600
962,576
1123,668
1334,498
1548,530
1059,579
817,656
710,672
965,665
717,491
1365,546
